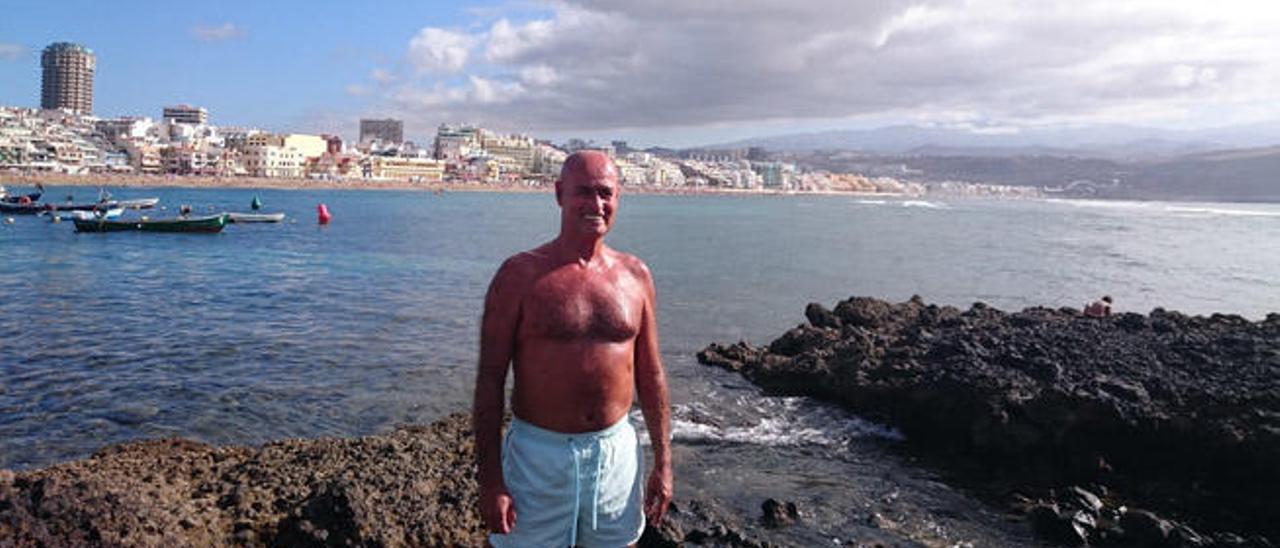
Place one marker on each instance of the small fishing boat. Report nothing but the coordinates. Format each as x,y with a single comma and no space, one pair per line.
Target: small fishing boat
24,199
110,213
255,217
140,203
36,208
22,209
206,224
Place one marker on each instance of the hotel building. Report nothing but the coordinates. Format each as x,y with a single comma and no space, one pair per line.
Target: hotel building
68,77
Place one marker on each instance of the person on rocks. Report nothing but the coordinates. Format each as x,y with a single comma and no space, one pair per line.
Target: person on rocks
1100,308
576,322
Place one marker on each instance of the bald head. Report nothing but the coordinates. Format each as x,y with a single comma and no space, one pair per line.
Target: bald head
587,192
590,163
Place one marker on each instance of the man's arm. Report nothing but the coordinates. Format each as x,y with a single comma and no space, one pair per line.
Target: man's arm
497,347
651,386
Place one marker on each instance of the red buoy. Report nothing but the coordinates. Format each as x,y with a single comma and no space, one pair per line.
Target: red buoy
322,214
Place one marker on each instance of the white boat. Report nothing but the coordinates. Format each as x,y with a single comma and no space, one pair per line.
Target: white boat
255,217
87,215
140,203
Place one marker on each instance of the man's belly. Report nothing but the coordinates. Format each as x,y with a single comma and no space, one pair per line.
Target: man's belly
572,392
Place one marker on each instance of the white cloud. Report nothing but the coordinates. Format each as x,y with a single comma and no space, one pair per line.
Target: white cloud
12,52
382,76
357,90
539,75
223,32
435,50
485,91
507,42
672,63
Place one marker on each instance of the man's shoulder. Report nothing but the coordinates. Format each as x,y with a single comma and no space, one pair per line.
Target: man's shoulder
521,267
632,264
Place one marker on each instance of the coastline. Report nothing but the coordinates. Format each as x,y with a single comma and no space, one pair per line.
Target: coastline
276,183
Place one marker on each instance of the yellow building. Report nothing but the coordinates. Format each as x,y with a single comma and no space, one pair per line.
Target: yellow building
414,169
310,146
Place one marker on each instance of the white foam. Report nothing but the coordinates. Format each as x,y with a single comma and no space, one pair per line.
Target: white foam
871,202
924,204
1198,210
1216,211
1101,204
776,422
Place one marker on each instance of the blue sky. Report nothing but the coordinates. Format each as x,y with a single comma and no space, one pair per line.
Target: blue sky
278,64
666,72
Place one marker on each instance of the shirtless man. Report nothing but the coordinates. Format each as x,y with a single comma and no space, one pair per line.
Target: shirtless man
576,322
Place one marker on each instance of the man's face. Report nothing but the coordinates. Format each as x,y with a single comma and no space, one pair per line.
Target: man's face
589,199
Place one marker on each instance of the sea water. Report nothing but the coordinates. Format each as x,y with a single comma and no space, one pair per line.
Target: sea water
300,330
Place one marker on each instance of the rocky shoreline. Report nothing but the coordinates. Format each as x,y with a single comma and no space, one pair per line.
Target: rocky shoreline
1081,423
413,487
1133,430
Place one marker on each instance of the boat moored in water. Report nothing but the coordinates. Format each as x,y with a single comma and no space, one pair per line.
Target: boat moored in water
255,217
140,203
24,199
37,208
205,224
110,213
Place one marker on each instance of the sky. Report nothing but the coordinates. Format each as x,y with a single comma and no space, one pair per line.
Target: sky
672,73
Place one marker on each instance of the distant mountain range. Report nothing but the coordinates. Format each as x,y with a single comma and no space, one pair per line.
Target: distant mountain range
1109,141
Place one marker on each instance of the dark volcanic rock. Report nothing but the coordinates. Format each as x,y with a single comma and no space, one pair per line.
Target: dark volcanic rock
413,487
776,514
699,523
1187,408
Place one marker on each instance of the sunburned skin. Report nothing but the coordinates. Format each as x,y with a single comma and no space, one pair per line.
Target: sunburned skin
575,342
575,321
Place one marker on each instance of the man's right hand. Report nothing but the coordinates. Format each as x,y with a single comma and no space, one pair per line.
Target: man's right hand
498,510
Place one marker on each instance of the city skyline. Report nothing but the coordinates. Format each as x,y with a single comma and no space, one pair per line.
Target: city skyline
663,73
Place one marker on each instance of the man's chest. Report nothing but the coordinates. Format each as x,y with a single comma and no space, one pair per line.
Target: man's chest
567,307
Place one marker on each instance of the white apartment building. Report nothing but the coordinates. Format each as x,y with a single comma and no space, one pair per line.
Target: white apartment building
271,155
514,153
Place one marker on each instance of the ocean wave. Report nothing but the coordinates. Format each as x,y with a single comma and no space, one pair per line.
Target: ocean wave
1101,204
1196,210
1217,211
924,204
775,422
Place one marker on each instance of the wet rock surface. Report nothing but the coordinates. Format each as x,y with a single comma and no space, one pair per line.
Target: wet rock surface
1173,412
413,487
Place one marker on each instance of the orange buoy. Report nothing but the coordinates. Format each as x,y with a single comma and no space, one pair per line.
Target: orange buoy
322,214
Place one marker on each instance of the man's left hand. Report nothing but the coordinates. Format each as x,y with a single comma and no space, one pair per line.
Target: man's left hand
657,494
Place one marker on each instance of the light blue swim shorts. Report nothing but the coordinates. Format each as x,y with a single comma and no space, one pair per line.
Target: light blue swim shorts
573,489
